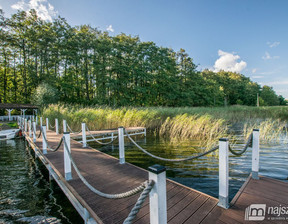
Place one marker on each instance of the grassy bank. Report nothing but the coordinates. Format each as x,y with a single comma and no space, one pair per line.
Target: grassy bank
207,124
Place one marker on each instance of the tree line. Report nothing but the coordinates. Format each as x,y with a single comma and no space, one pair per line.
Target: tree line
52,61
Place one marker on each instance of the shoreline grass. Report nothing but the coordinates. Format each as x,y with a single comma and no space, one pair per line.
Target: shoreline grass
186,123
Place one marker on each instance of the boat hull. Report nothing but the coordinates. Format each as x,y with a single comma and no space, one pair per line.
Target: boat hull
9,134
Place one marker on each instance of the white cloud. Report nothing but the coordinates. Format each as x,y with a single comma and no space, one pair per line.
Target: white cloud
254,70
267,56
229,62
110,28
282,82
257,77
19,5
274,44
1,7
43,8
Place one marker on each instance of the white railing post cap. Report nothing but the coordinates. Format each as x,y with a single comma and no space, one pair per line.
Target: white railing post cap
256,129
157,169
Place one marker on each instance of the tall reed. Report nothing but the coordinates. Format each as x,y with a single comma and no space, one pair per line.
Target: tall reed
200,123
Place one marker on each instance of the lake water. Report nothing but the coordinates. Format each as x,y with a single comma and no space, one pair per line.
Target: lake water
202,174
27,195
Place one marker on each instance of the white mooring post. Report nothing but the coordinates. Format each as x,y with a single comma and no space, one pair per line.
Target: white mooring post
41,122
121,145
84,140
64,126
34,131
36,118
44,136
25,125
47,123
22,123
158,195
30,129
255,154
67,161
56,126
223,173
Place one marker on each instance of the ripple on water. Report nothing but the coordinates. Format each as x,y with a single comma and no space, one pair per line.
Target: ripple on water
25,194
39,219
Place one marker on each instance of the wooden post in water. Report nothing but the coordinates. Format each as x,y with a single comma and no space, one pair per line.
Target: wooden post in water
67,160
44,143
47,123
84,141
255,154
223,173
34,131
121,145
56,126
158,195
64,126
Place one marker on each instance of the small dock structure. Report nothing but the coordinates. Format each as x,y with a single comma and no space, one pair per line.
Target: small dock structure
104,189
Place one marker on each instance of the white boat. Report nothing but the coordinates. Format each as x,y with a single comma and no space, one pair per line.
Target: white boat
8,134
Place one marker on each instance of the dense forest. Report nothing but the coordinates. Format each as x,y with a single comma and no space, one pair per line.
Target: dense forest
46,62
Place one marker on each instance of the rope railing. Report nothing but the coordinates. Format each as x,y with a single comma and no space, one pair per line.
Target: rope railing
51,126
75,133
50,148
40,133
239,153
134,191
101,143
139,203
249,141
170,160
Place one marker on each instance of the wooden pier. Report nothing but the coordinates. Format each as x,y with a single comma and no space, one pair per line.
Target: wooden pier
184,205
108,133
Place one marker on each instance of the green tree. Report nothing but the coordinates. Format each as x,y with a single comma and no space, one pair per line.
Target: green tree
45,94
269,96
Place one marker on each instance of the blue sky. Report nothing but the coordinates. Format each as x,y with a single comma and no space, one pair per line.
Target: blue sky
246,36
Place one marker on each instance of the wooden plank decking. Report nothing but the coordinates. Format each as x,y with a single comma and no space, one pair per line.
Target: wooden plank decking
108,132
184,205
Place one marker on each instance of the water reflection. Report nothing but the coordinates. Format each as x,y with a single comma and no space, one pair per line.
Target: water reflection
26,196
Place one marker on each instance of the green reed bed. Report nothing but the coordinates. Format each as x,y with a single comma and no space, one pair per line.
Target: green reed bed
185,123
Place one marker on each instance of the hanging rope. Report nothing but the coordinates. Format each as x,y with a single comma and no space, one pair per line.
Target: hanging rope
239,153
139,203
40,133
75,133
50,148
101,143
51,126
170,160
134,191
